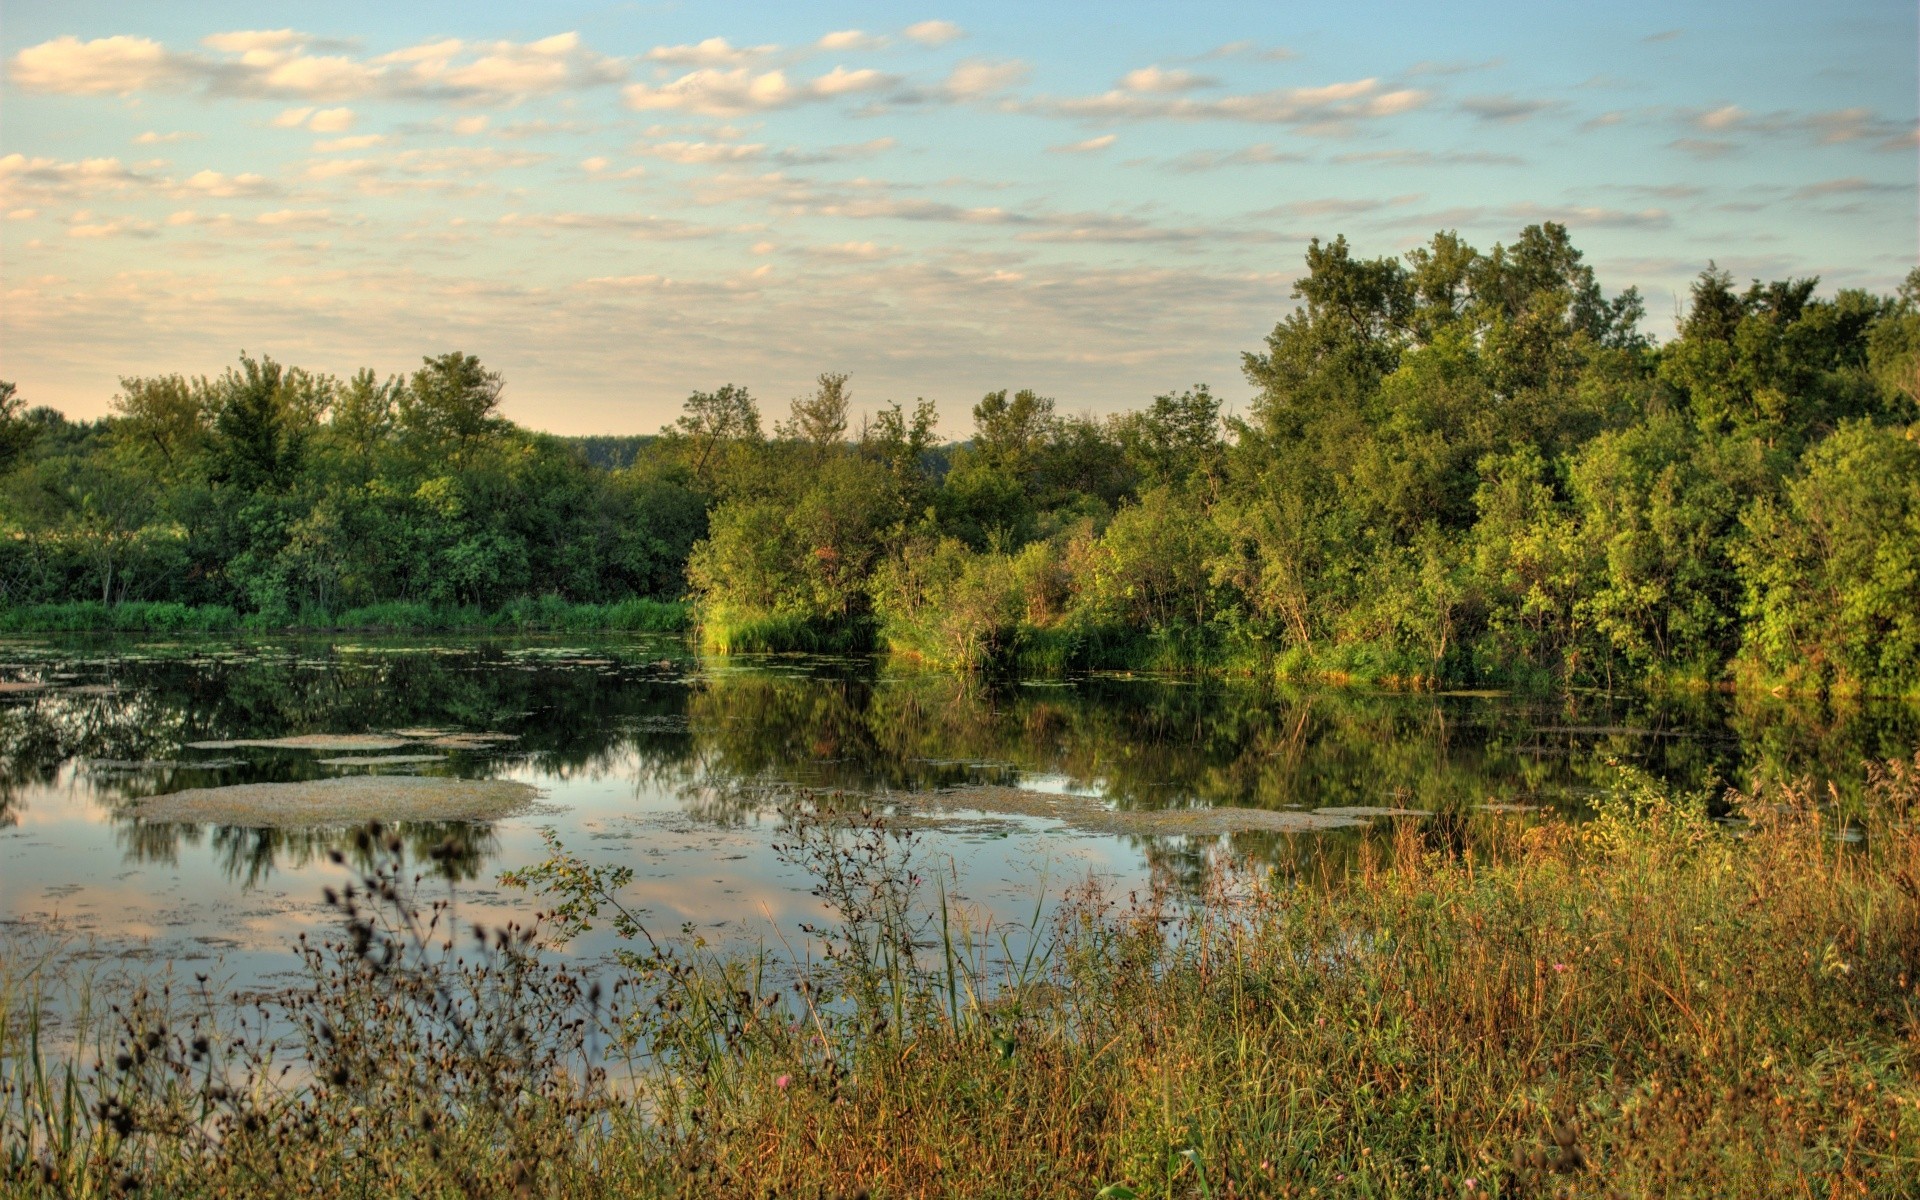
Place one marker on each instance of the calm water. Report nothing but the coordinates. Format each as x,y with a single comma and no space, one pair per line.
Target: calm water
671,763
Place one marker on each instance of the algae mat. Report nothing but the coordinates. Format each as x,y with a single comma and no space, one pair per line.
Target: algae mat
1092,814
347,800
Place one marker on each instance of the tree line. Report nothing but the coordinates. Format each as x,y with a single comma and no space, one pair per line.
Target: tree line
1458,465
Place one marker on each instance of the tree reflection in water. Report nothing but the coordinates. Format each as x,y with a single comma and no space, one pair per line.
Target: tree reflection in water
719,736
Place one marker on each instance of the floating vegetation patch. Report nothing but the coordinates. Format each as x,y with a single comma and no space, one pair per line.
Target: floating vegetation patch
103,765
309,741
1091,814
344,800
92,689
472,741
383,760
15,686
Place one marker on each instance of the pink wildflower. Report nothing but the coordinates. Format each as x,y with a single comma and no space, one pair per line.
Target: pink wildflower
782,1082
1560,968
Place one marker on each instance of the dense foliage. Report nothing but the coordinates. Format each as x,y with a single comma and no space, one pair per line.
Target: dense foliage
1458,465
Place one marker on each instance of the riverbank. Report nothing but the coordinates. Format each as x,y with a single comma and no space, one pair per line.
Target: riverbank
1651,1003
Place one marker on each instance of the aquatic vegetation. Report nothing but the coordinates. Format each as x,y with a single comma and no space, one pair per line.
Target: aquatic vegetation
342,800
1652,1004
1093,814
307,741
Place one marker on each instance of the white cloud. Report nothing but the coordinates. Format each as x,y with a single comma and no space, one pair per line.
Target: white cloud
105,66
976,78
1329,109
933,33
214,183
468,126
1159,80
850,39
331,120
155,138
55,178
713,52
363,141
1087,147
286,64
293,118
305,218
1504,109
738,91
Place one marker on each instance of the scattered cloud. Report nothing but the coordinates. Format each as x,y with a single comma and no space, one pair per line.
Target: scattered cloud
468,126
1665,35
1505,108
286,64
1430,158
364,141
850,39
1328,109
1090,146
636,225
933,33
713,52
703,152
1590,217
1160,80
154,138
1260,154
1704,149
222,186
738,91
1253,50
977,78
1852,185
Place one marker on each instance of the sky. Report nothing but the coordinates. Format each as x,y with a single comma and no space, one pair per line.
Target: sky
616,204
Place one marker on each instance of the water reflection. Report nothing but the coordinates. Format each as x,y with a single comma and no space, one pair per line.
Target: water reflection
115,723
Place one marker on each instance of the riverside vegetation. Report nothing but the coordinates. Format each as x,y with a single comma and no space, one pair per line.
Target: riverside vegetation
1652,1003
1457,466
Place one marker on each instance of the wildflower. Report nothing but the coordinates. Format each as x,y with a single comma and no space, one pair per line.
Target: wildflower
782,1082
1560,968
1472,1183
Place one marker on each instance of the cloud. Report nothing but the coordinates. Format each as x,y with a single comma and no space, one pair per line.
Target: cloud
738,91
104,66
1159,80
1244,49
364,141
1329,109
222,186
977,78
286,64
637,225
933,33
703,152
1851,185
713,52
1091,145
1665,35
84,224
1827,128
845,152
54,178
331,120
1429,158
850,39
1258,155
301,218
154,138
1591,217
1505,108
597,167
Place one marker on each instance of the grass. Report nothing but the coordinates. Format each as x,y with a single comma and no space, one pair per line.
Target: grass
1649,1003
544,613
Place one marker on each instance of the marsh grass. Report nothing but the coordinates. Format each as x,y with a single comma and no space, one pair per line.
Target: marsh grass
1651,1003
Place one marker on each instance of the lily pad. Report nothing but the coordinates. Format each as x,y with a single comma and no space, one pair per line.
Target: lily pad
309,741
343,800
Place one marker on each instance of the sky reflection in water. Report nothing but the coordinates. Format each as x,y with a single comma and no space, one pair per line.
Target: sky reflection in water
671,764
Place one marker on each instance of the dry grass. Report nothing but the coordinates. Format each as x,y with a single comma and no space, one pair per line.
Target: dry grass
1649,1004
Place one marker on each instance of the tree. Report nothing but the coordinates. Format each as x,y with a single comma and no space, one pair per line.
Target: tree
17,434
820,420
710,423
449,405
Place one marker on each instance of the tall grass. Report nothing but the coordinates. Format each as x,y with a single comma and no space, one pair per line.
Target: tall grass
1652,1003
544,613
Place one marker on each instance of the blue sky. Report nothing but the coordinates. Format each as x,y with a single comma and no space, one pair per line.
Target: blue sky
614,204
